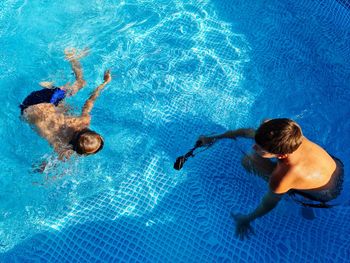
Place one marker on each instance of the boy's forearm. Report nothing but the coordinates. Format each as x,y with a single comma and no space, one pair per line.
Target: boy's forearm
76,67
97,91
63,150
90,101
268,203
246,133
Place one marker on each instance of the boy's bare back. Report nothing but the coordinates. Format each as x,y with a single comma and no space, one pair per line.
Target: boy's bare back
309,167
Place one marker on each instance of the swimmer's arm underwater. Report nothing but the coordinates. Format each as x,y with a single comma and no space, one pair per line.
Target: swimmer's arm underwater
232,134
91,100
63,155
269,202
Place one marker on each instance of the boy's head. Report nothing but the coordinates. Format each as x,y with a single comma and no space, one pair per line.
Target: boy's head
278,137
87,142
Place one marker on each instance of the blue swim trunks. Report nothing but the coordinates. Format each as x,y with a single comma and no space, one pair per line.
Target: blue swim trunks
54,96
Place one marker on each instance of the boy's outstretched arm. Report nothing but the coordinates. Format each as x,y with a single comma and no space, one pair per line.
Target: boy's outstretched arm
232,134
91,100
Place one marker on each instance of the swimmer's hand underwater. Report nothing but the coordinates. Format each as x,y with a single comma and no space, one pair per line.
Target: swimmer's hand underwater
203,140
107,76
74,54
243,227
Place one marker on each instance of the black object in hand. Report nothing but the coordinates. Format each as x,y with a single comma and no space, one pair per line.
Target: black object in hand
180,161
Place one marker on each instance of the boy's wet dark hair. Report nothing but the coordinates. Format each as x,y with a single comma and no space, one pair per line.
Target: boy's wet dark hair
87,142
279,136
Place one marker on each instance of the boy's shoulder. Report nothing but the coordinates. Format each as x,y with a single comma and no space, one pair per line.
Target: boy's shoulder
282,179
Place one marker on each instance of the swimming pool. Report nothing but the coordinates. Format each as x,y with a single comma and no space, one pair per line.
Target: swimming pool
180,69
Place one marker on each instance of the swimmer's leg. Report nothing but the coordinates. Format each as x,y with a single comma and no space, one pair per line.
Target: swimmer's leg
47,84
307,213
73,58
259,166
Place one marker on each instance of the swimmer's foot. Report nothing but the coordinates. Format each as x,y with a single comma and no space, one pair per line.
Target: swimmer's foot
74,54
307,213
46,84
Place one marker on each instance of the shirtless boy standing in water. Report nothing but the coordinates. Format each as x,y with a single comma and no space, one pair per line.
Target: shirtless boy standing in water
67,134
302,167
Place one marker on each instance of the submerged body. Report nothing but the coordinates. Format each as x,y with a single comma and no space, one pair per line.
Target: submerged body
46,112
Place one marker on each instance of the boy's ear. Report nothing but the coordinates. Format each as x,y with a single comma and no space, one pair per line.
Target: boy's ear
282,156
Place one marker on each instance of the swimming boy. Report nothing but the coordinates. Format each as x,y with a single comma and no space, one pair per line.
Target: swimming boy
46,111
302,167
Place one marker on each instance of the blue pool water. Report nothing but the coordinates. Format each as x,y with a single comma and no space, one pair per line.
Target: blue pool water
180,69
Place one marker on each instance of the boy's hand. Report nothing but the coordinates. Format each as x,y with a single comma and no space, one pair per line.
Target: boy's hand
203,140
74,54
243,227
65,154
107,77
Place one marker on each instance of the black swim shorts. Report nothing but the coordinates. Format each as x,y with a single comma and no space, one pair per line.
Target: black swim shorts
54,96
